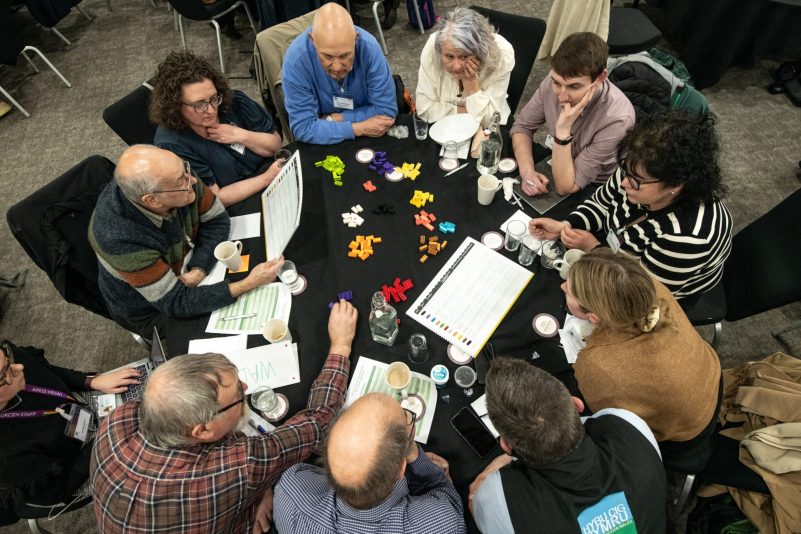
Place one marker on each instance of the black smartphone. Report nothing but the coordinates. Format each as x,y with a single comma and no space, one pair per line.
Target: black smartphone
473,431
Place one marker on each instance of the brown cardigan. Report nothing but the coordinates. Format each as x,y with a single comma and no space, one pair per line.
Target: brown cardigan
669,376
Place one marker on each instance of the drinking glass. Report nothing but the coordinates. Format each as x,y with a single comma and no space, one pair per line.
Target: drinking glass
529,246
418,348
420,127
515,231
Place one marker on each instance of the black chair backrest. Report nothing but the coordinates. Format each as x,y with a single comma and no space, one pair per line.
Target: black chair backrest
194,9
525,35
52,224
11,43
128,117
763,271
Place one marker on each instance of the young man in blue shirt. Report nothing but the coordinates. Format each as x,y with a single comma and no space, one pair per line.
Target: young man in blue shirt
337,83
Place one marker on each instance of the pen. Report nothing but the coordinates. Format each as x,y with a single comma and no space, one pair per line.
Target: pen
243,316
459,168
257,428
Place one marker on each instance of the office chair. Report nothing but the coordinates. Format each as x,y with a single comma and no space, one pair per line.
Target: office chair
525,35
129,119
196,10
630,31
11,46
763,272
268,57
52,223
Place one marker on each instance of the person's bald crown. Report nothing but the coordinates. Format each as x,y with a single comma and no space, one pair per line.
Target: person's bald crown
357,436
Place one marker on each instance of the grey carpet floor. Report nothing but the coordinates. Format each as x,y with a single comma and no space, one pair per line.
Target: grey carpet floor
112,54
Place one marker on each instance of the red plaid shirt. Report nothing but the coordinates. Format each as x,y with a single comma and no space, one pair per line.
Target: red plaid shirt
138,487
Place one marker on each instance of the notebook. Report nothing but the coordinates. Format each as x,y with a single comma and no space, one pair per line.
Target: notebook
541,203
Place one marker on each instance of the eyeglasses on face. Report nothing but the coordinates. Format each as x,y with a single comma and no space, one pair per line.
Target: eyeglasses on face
633,179
186,179
411,419
6,375
203,105
235,403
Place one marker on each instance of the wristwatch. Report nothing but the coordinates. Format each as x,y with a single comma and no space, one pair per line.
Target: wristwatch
563,141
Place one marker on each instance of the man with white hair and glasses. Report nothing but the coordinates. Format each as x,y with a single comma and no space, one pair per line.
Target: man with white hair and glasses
173,462
143,228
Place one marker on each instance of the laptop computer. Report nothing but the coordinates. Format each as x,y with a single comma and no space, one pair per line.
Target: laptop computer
546,201
104,403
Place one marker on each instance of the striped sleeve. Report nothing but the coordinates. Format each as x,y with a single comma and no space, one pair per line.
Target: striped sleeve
607,208
687,251
213,227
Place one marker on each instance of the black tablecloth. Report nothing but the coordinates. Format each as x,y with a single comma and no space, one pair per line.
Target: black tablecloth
320,247
716,34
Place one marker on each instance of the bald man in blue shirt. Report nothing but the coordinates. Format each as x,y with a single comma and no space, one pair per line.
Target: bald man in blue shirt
336,81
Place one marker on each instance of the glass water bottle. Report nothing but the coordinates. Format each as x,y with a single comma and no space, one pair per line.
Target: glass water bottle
383,321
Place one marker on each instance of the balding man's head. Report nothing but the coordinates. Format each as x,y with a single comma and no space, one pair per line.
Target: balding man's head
366,450
145,170
334,37
182,393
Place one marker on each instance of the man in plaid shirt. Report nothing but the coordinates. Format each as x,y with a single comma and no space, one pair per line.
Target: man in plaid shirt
172,462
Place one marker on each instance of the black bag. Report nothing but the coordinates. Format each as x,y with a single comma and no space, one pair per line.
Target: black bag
717,515
402,96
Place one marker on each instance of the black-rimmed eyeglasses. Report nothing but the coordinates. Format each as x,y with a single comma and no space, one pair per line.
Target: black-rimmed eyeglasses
203,105
633,179
411,419
186,179
235,403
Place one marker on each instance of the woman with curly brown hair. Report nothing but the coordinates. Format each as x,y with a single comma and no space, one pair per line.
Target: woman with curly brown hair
223,134
664,205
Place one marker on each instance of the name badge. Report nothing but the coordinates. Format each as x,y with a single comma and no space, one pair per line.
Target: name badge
238,147
343,102
613,241
549,141
79,420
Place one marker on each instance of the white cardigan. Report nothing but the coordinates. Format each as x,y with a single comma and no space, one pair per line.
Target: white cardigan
436,89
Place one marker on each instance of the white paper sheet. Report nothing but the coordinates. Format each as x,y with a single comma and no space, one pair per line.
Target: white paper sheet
469,297
254,422
245,226
220,345
281,203
368,377
217,274
275,365
250,311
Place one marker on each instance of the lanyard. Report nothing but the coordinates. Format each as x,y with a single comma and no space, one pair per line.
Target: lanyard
30,414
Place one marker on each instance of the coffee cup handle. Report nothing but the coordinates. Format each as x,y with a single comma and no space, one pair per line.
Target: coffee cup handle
238,245
558,263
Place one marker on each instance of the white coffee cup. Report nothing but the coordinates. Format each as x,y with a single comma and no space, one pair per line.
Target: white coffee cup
276,330
571,256
230,253
488,185
398,376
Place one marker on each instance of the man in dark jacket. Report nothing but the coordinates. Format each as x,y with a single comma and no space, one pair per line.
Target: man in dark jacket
559,475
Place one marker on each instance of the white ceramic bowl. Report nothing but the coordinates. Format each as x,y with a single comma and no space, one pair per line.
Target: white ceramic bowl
458,128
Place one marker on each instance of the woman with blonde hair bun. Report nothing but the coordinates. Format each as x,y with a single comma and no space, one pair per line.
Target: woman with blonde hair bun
643,355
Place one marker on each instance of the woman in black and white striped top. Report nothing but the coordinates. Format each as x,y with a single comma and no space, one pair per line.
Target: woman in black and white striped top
663,205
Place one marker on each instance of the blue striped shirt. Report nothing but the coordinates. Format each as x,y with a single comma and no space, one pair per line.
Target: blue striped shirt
424,501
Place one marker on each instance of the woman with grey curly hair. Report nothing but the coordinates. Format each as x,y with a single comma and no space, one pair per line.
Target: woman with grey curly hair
464,68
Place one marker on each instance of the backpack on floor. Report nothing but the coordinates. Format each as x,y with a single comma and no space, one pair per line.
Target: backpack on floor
426,13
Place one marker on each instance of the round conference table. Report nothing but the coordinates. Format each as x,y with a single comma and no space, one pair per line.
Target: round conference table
319,249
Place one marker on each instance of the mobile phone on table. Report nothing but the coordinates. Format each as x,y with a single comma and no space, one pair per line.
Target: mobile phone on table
473,431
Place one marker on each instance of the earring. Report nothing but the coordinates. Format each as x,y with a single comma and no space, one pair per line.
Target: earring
672,192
